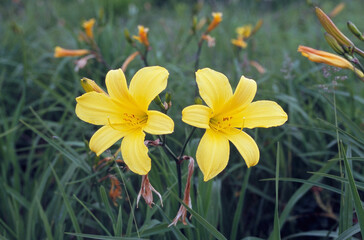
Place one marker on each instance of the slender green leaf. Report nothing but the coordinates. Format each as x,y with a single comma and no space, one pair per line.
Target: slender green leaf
354,191
211,229
67,204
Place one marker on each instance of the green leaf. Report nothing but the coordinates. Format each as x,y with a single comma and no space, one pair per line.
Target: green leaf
211,229
354,192
67,204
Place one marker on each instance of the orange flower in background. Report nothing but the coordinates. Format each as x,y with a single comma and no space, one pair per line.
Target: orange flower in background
62,52
217,18
88,26
328,58
143,35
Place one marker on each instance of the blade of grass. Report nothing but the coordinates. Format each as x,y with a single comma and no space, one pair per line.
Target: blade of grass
346,204
239,208
92,215
276,234
300,192
43,216
354,191
68,204
211,229
103,237
351,231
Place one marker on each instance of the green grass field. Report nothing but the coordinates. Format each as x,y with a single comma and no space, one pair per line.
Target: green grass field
308,183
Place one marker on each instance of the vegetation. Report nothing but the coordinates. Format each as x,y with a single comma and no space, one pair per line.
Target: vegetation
308,182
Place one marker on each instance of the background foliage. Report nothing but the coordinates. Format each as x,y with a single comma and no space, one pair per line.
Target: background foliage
49,189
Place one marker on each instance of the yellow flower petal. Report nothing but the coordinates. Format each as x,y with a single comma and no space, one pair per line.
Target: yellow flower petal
116,84
146,84
158,123
243,95
104,138
212,154
97,108
262,114
246,145
135,153
214,88
197,116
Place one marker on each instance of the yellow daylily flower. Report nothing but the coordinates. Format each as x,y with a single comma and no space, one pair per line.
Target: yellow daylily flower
217,18
124,113
88,26
143,35
224,118
243,33
328,58
62,52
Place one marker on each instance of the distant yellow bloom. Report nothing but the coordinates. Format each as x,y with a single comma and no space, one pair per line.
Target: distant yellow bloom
243,33
123,113
62,52
143,35
239,42
225,117
217,18
88,26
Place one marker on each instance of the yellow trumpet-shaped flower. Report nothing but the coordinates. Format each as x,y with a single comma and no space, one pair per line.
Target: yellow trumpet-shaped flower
217,18
328,58
88,26
124,113
62,52
224,117
143,35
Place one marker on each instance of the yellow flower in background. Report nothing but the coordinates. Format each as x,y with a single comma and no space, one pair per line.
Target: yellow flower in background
328,58
217,18
243,33
62,52
224,118
88,26
143,35
123,113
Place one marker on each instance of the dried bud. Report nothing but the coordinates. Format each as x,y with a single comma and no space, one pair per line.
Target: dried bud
182,212
146,190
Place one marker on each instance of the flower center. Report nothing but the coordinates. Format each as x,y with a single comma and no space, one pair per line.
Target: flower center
133,120
221,123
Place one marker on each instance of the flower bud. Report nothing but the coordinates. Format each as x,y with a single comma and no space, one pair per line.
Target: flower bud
355,30
127,36
331,28
334,44
90,86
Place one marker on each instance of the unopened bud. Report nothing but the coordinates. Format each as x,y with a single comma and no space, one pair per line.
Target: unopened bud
334,44
168,97
158,101
355,30
90,86
331,28
194,24
198,100
127,36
